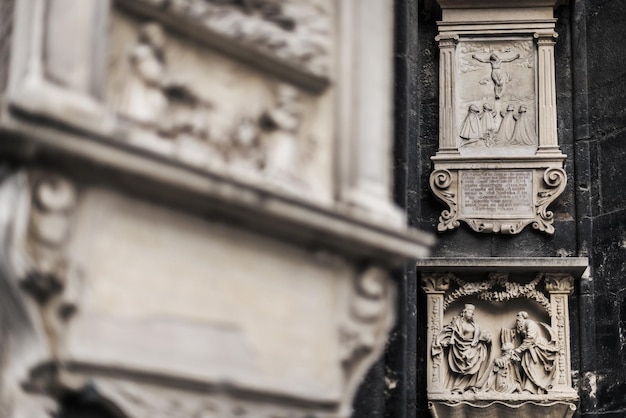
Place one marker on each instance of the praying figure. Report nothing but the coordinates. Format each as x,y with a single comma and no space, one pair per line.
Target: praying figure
498,77
467,348
507,126
487,119
471,128
505,375
524,133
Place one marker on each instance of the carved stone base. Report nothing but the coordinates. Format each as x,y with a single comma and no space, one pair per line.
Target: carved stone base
502,200
501,409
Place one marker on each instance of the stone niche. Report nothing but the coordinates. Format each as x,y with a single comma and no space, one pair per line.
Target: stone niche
197,217
498,336
498,166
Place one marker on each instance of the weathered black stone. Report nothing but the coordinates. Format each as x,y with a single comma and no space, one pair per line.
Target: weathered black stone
590,216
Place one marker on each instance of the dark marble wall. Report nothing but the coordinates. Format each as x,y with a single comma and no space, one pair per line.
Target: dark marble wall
590,216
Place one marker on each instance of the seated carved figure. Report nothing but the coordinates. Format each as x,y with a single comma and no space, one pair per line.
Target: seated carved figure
467,349
537,355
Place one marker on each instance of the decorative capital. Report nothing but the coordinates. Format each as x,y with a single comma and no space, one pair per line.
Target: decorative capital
447,40
436,283
559,283
546,38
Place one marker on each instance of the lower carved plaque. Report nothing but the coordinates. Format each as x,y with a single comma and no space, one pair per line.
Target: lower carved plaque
498,345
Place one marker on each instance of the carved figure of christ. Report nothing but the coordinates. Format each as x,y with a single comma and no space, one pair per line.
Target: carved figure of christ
497,76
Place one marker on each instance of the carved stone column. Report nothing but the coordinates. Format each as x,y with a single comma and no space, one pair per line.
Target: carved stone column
548,138
435,286
560,286
447,66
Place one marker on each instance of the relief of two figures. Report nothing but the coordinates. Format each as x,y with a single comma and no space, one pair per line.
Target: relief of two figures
528,368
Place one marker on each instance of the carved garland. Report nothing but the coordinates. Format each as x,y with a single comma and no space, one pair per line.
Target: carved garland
511,290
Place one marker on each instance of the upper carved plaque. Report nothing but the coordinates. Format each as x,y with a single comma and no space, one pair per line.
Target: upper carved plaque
499,165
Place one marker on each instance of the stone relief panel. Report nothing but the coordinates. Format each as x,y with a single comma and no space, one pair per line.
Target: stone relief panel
496,94
503,338
498,165
197,106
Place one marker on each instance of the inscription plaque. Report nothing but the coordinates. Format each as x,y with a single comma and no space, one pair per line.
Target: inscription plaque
502,193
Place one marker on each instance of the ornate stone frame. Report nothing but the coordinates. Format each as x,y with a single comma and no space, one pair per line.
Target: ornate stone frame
542,284
519,182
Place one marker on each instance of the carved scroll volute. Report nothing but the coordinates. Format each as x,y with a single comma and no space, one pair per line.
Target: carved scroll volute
554,182
560,286
444,186
435,286
49,276
364,332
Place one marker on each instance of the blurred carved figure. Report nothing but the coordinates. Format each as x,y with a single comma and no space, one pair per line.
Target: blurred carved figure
146,102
